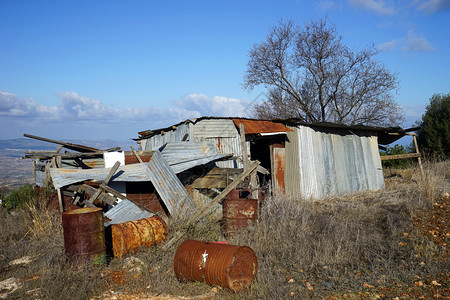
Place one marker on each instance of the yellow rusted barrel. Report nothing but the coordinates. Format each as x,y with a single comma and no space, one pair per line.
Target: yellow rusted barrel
230,266
84,235
129,236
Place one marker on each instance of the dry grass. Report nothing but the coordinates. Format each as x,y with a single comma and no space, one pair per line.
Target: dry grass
362,245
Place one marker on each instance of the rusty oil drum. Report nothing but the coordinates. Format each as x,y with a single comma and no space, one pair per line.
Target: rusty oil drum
129,236
229,266
239,211
84,235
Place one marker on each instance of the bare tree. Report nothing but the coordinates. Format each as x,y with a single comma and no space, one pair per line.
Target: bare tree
311,75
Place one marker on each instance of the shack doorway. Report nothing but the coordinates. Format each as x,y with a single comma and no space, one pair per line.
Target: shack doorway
270,151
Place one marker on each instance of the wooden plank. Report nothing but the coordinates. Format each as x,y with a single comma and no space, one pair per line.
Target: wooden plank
106,181
49,155
417,151
104,197
76,147
120,196
137,155
245,159
246,162
112,172
400,156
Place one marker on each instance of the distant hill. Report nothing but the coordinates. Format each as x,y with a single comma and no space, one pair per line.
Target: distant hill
15,171
27,144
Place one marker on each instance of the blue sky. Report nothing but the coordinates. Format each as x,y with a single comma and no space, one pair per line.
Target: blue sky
108,69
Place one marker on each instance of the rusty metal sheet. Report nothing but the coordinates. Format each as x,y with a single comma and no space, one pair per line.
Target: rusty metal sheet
238,213
259,126
278,164
230,266
128,237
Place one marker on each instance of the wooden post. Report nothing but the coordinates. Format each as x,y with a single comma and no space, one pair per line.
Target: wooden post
246,162
417,152
137,155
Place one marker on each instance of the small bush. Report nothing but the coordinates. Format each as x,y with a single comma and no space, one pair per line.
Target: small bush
396,150
19,198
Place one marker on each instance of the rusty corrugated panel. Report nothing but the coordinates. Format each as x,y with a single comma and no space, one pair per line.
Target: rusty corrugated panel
84,236
130,236
239,211
257,126
230,266
278,164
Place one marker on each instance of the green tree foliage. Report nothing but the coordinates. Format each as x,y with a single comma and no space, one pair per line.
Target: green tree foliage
396,150
18,198
434,135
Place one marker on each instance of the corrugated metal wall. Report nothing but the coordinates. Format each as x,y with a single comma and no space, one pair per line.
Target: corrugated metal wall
176,135
223,134
323,163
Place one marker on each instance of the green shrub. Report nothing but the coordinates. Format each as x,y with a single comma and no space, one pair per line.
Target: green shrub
396,150
18,198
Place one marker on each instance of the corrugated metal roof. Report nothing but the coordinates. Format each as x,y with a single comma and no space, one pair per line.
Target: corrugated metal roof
64,177
167,184
157,170
258,126
126,211
176,134
214,128
386,135
182,156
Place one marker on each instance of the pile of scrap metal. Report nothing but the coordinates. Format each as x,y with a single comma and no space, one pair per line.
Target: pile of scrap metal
134,185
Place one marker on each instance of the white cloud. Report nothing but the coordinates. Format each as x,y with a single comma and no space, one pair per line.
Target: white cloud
388,46
328,6
433,6
413,113
13,106
85,117
217,106
412,42
416,42
377,6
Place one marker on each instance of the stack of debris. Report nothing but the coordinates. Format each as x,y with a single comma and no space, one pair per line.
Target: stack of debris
133,185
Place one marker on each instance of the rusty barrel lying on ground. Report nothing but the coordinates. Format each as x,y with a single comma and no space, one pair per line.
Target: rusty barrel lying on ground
129,236
239,211
84,235
229,266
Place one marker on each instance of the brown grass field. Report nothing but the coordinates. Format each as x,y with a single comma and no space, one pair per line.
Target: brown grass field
390,244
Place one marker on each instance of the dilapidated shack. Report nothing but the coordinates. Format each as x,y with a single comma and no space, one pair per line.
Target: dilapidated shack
300,159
